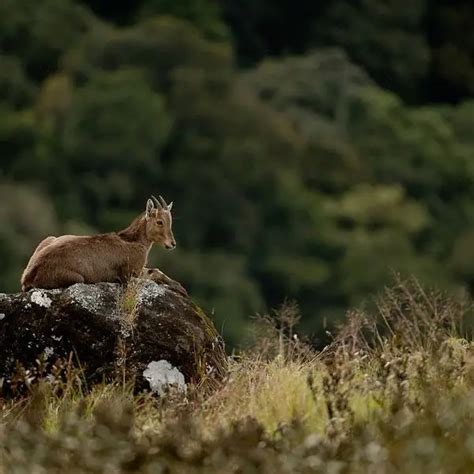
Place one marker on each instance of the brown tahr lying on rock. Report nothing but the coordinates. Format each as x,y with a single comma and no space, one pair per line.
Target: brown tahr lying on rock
62,261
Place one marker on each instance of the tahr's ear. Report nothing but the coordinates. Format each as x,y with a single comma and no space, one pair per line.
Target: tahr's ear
170,206
149,207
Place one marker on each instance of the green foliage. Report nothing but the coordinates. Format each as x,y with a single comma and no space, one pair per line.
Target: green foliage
384,37
159,46
393,177
26,217
453,44
18,136
378,224
39,33
422,49
204,14
15,87
96,124
218,281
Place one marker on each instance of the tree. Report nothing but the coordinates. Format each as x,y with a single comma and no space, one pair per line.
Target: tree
26,217
205,15
451,39
386,38
40,32
113,131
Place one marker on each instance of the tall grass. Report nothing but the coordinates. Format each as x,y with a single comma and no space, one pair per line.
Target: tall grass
393,393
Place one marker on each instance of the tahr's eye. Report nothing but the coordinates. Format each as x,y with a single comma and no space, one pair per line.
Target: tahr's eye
159,222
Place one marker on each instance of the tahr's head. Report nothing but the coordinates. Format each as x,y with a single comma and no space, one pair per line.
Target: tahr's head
159,221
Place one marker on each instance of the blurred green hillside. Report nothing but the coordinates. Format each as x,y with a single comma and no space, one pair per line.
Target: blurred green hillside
310,149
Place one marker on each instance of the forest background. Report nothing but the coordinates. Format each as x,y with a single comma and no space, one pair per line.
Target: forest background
311,148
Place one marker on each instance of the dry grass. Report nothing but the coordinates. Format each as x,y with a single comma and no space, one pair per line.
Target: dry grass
393,393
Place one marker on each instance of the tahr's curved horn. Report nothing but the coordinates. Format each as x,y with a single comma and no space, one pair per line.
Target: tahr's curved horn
157,203
163,202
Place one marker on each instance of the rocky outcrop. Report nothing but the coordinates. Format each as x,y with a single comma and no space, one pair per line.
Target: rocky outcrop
151,332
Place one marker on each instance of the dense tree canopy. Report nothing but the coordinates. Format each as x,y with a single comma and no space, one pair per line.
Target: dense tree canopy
311,174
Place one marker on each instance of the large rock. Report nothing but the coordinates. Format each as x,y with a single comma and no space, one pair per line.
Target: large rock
146,330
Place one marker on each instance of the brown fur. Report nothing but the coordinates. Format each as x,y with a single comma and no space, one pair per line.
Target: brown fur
62,261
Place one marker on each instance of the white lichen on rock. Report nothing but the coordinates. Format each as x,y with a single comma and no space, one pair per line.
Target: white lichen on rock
162,377
89,297
149,290
41,299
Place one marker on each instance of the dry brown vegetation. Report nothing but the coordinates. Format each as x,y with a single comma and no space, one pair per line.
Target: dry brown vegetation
392,393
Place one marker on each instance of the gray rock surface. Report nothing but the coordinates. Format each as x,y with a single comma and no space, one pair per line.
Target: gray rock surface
105,327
